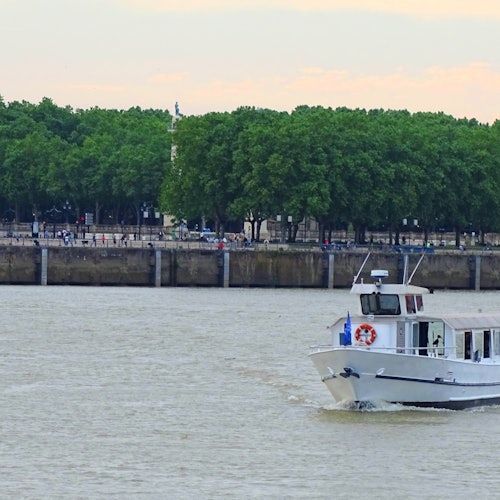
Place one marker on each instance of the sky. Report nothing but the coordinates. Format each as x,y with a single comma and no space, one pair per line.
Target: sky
217,55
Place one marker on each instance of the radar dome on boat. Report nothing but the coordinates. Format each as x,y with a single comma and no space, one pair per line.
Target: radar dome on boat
379,273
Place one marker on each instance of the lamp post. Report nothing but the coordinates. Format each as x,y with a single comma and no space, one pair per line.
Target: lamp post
413,223
67,207
53,213
145,214
10,216
282,235
142,208
149,214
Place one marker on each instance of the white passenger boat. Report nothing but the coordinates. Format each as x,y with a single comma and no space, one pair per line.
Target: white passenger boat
393,352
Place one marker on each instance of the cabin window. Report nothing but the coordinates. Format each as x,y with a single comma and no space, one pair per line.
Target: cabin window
487,344
467,345
401,337
420,302
410,304
496,343
423,338
459,345
478,346
415,336
436,337
464,346
380,304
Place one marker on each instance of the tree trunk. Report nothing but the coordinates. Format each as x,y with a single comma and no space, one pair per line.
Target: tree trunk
359,235
390,235
396,237
457,236
97,212
294,232
259,224
363,235
426,235
252,225
138,214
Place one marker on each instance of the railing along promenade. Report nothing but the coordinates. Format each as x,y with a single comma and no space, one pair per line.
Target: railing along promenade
188,244
111,260
113,236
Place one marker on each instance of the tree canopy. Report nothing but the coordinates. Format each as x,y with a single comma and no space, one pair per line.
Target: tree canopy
369,169
101,161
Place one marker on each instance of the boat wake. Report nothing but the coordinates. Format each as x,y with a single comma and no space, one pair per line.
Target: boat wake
365,406
348,406
383,406
376,407
483,409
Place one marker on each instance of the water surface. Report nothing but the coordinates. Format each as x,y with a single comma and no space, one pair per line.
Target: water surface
209,393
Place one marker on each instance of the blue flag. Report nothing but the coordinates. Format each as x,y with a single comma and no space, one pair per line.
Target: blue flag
347,330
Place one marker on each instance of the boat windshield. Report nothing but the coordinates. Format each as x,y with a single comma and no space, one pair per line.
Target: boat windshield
380,304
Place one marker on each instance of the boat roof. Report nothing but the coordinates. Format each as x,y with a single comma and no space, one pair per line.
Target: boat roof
387,288
484,321
468,321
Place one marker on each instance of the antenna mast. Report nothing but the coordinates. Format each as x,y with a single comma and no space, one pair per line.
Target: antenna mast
415,270
361,268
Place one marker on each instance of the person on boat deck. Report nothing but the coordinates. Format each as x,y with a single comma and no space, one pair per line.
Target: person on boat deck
436,342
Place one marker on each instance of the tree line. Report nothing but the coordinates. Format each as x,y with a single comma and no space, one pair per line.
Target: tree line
108,162
369,169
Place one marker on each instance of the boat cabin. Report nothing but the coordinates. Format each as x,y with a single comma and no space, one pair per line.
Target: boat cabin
391,319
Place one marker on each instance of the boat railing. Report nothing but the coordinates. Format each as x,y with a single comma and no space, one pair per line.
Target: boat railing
431,352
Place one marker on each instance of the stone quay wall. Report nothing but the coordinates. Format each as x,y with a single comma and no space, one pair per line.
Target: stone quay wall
183,267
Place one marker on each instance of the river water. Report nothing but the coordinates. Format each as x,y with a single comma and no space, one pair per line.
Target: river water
209,393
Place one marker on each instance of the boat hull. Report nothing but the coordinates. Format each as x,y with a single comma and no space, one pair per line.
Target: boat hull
361,375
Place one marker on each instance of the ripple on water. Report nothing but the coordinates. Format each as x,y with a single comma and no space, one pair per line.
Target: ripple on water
187,393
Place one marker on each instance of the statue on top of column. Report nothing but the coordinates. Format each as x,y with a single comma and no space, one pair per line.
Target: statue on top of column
177,111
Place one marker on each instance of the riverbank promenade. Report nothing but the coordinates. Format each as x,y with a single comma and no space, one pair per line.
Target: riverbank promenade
25,261
129,237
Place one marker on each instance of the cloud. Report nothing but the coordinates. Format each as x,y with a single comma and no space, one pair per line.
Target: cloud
99,88
488,9
471,91
162,78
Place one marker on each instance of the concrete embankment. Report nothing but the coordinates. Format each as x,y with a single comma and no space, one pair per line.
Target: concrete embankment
176,267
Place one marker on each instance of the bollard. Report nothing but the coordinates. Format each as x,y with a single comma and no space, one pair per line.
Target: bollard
173,267
158,268
331,270
43,268
226,270
477,276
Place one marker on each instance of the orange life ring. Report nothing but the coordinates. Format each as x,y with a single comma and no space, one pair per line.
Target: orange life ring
365,334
